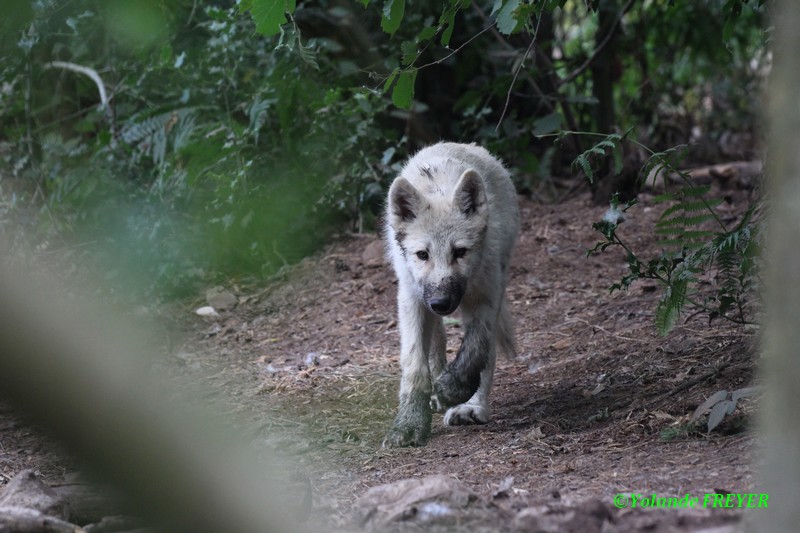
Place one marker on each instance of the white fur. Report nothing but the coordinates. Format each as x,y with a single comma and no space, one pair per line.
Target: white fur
447,199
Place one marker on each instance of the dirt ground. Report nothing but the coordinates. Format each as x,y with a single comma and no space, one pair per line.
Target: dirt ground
596,403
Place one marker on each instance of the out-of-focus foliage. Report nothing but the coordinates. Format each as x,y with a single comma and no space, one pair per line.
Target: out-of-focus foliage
221,153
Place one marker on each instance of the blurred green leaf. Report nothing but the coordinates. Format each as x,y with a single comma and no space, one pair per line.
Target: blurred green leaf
270,15
403,93
505,11
393,12
136,23
547,124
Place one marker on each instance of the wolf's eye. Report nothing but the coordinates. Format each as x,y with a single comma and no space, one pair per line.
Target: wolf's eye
458,253
422,256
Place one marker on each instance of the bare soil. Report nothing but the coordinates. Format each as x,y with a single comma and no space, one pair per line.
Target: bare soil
596,403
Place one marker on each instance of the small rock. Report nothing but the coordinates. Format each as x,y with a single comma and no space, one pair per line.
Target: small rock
25,490
504,488
590,517
221,299
213,330
531,519
114,524
22,520
207,311
403,500
432,510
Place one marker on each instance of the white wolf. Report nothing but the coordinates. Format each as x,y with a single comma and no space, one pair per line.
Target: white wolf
452,221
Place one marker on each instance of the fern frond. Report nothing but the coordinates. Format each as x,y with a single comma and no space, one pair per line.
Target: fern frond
616,153
150,134
661,198
669,307
134,132
669,230
695,191
610,144
583,161
697,234
683,220
676,242
664,162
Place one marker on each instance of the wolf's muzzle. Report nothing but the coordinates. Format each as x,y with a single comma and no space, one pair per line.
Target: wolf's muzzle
445,297
443,306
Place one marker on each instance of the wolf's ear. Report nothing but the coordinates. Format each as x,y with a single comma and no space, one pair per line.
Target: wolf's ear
404,202
470,194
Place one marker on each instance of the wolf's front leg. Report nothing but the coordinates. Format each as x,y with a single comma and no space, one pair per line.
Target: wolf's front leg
412,426
462,377
476,410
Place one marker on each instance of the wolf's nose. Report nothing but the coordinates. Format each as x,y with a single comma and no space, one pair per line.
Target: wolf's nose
440,305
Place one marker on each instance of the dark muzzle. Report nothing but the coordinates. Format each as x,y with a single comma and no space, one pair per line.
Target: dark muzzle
444,297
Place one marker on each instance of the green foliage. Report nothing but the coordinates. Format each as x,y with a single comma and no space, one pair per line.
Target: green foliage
610,145
228,155
695,242
393,11
681,431
268,15
234,143
403,91
504,11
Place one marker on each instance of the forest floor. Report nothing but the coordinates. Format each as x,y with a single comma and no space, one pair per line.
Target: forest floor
596,403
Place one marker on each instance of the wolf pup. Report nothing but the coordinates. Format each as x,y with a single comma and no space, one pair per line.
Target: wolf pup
452,221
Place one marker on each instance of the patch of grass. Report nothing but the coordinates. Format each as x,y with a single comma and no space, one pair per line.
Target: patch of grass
681,431
357,412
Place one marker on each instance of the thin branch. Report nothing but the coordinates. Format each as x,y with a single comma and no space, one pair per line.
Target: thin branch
437,61
86,71
516,73
503,42
687,384
191,14
549,101
604,330
454,52
101,89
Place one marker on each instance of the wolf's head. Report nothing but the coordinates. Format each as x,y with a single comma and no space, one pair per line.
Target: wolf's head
440,236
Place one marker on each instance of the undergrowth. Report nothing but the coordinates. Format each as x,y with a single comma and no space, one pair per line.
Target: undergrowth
695,241
217,154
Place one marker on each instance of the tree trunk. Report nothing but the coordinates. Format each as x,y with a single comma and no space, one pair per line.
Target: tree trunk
602,67
781,411
603,77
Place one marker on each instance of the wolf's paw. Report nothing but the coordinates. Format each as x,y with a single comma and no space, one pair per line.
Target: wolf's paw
412,426
466,414
450,390
402,436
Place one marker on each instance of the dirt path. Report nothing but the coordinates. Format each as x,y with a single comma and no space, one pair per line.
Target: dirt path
579,415
596,404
